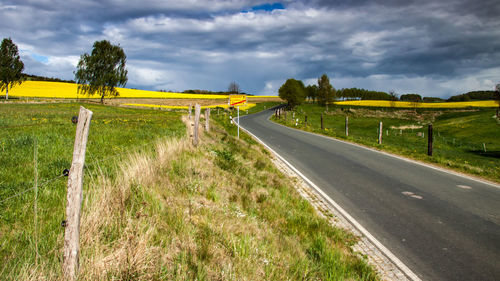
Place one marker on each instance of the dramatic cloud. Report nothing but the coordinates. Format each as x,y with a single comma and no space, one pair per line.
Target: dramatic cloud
435,48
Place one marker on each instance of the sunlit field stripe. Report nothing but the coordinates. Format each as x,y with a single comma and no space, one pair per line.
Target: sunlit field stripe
43,89
405,104
243,107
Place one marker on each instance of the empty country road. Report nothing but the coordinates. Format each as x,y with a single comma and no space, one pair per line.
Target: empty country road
440,225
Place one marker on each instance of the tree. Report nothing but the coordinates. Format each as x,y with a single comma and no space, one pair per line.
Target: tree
411,97
312,92
233,88
293,91
394,98
11,66
102,71
326,92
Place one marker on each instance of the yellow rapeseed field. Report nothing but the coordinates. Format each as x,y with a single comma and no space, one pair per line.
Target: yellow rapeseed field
243,107
405,104
43,89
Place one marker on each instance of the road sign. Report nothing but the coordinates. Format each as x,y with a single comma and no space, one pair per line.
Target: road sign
237,100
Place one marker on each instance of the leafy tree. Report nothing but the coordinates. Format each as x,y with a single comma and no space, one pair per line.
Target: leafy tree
233,88
326,92
411,97
293,91
312,92
102,71
11,66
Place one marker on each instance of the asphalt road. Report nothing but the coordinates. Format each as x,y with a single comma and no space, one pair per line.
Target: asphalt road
441,226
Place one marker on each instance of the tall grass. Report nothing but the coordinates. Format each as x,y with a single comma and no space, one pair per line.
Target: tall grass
113,134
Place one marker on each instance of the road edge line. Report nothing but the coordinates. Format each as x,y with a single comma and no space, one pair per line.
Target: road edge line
416,162
407,271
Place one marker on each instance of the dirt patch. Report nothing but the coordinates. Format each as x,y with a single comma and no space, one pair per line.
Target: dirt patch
407,127
256,99
174,102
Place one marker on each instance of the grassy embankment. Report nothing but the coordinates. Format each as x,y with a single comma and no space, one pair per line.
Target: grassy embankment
459,135
155,207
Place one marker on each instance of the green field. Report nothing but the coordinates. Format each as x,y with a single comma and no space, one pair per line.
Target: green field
48,128
156,208
464,140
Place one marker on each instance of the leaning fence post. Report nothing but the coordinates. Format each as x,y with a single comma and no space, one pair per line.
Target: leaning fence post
75,196
380,133
207,119
197,110
429,140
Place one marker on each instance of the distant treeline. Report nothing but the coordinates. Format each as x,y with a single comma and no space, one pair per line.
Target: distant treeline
474,95
207,92
30,77
362,94
355,93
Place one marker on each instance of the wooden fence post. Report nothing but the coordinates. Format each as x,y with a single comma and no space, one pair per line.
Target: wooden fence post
305,120
429,140
75,196
347,126
207,119
380,133
197,110
322,122
189,110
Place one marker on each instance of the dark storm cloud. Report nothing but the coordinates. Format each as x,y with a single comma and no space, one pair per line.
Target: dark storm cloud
431,47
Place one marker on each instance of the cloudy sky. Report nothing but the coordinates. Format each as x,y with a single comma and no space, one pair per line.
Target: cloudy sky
434,48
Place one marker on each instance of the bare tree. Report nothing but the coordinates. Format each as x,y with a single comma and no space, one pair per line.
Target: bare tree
394,98
233,88
497,97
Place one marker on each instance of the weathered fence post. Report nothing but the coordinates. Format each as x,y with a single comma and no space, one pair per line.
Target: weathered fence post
75,196
207,119
305,120
347,126
429,140
35,168
197,111
322,122
380,133
189,112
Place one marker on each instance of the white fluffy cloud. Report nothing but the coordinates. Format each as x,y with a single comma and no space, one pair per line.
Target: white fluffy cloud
432,48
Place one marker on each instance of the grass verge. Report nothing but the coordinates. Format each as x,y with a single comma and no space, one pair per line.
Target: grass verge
465,140
173,212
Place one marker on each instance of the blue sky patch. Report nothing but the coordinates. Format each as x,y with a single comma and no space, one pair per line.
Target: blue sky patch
40,58
268,7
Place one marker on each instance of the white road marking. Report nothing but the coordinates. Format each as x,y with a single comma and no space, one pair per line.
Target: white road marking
493,184
412,195
365,232
464,186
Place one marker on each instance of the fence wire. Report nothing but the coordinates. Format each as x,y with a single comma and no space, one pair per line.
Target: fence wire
31,188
